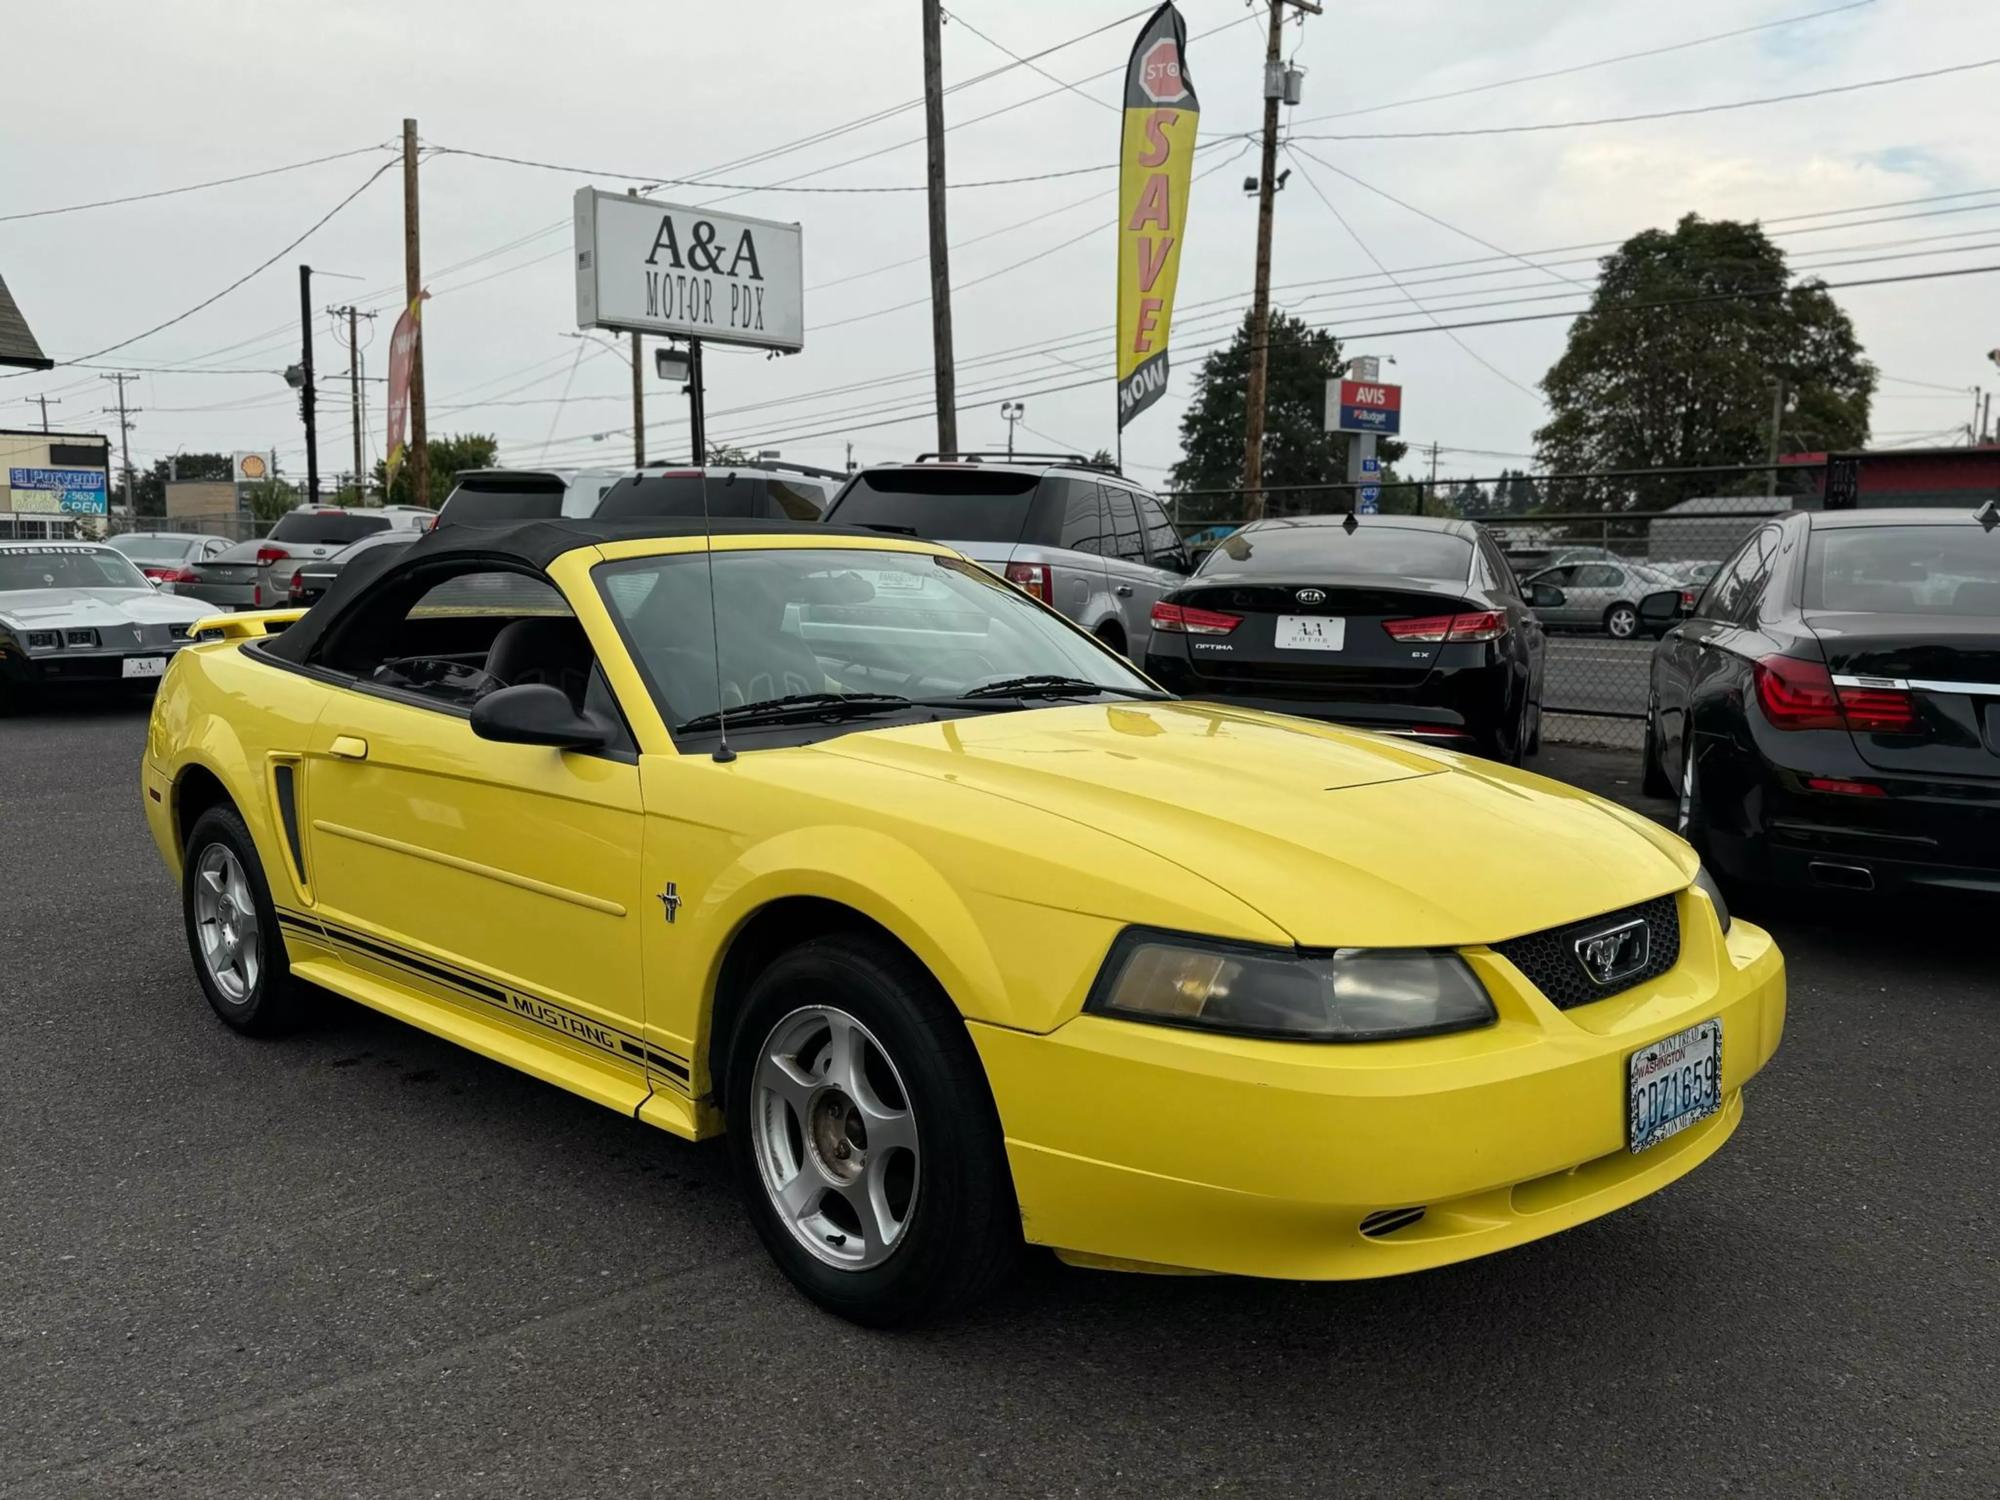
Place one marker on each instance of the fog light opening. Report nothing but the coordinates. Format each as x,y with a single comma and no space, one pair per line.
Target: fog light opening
1388,1220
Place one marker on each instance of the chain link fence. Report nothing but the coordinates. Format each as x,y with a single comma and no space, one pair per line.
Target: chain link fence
1647,531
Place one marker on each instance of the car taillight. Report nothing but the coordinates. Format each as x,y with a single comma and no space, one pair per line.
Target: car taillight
1185,619
298,584
1798,694
1034,578
257,596
177,575
1478,625
268,555
1841,787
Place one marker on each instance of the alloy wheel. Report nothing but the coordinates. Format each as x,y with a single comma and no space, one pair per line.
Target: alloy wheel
1622,623
1684,816
834,1137
225,916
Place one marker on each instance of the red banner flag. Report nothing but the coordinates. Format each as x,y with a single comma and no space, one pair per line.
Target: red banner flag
402,348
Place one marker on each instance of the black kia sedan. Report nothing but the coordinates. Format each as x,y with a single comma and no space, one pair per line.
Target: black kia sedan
1399,624
1829,715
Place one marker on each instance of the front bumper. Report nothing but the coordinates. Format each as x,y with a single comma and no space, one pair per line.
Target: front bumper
1146,1147
79,668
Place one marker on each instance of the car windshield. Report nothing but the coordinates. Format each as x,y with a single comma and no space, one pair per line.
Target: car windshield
1904,570
60,567
1287,548
152,548
957,504
317,528
795,622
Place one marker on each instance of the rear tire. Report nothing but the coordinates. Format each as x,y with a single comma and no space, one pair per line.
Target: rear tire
851,1080
1114,638
1621,622
232,930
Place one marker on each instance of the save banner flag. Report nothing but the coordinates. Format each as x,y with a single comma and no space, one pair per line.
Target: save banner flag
1161,112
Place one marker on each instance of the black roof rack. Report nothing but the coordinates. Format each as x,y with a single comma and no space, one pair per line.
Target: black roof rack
988,455
784,465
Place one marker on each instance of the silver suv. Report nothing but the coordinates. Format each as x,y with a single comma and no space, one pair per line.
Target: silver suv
1082,538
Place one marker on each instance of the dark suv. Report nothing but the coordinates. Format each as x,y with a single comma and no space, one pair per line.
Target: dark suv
1096,546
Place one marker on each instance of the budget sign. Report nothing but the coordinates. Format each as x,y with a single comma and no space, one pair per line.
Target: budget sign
1364,406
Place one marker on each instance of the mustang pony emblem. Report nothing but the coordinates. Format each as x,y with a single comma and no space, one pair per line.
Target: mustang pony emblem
1616,952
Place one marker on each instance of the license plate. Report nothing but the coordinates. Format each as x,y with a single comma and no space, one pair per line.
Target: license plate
143,666
1311,633
1674,1083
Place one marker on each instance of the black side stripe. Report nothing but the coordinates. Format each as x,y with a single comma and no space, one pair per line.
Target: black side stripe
520,1004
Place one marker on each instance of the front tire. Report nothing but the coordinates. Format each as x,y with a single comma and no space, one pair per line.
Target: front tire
864,1138
232,929
1653,779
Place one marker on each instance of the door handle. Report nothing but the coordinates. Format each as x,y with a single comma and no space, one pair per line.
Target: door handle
1123,591
348,747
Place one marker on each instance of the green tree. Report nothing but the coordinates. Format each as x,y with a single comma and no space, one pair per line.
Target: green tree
1297,448
449,457
1690,385
270,498
149,489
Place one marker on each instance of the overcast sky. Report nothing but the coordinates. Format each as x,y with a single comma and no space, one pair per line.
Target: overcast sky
145,95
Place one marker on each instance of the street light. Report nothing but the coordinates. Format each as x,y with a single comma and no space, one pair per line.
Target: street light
1012,412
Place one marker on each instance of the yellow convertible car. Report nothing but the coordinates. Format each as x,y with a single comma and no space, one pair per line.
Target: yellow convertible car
964,932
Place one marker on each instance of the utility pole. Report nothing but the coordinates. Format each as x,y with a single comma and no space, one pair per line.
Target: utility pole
45,402
354,314
1260,302
947,376
1777,430
125,415
308,397
1976,428
413,285
1430,491
639,395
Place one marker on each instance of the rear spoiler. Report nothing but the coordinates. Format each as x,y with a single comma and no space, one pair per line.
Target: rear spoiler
244,625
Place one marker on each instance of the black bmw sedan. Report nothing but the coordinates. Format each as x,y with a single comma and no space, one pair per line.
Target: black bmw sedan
1394,623
1830,713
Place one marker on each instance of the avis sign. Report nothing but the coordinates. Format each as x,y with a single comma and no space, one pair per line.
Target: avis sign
649,267
1364,406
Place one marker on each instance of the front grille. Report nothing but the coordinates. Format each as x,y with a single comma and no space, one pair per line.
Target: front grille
1550,961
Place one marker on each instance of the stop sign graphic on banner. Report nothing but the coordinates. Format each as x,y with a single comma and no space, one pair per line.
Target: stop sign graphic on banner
1160,72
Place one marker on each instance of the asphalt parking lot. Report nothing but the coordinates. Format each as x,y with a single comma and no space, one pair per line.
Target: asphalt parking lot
363,1262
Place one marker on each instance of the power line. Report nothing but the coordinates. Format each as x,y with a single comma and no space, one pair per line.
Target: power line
193,187
1602,62
950,15
261,266
1658,114
761,187
1010,385
1481,359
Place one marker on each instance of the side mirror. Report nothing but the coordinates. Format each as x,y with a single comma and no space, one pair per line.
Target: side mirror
1546,596
533,713
1663,610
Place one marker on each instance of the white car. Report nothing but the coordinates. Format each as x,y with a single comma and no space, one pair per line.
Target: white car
80,613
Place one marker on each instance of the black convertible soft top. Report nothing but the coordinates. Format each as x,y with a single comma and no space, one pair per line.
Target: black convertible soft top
530,545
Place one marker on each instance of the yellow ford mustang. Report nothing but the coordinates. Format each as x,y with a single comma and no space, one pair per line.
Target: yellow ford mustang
964,931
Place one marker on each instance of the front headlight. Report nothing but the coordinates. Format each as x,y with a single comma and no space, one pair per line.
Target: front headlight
1348,995
1706,884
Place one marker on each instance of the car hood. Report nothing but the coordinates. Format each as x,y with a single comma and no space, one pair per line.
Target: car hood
78,608
1338,837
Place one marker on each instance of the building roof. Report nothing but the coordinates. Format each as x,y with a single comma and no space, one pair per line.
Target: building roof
17,343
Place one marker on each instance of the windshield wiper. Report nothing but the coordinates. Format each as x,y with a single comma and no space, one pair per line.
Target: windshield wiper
1050,685
798,706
